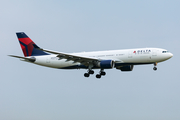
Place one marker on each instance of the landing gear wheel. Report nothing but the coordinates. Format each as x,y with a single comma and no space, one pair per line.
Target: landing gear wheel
155,68
86,74
103,73
91,72
98,76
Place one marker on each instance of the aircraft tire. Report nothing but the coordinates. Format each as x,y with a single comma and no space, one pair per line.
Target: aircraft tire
103,73
98,76
155,68
86,74
91,72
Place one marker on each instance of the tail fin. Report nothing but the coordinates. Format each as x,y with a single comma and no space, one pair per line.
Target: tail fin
27,45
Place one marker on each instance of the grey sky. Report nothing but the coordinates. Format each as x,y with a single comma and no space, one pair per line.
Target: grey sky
33,92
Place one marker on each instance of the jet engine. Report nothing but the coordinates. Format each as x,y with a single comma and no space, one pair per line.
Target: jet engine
126,68
106,64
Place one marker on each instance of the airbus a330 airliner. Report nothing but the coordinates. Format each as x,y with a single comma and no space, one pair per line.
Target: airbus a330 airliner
123,60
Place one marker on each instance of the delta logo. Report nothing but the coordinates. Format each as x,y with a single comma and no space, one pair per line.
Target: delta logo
141,51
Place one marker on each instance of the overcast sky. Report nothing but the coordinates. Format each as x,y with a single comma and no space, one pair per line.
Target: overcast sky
31,92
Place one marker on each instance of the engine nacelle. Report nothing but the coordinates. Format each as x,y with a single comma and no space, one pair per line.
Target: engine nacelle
106,64
126,68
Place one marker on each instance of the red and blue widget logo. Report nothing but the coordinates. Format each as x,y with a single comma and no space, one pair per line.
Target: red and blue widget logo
27,46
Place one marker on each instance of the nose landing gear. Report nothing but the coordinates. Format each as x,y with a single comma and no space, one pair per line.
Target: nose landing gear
155,68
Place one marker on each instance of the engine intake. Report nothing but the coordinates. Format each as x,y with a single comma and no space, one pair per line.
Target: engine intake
106,64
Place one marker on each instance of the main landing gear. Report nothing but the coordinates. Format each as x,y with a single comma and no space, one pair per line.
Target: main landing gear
88,73
101,73
155,68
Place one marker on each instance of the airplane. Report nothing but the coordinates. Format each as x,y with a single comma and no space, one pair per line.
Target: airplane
123,60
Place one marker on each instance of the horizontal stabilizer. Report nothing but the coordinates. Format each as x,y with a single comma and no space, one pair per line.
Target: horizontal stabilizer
32,59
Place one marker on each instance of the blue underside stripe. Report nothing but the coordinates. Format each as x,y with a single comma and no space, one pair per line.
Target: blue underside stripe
116,65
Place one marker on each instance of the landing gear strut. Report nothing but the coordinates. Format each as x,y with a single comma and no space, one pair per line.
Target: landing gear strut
155,68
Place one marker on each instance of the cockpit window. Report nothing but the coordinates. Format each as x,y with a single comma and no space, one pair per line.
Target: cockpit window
165,51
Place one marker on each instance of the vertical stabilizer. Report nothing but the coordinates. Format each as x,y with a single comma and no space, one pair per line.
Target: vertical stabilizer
27,45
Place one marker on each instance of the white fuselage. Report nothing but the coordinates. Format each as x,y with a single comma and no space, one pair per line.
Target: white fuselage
127,56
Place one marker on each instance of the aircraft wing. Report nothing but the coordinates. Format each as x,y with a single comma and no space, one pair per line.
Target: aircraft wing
70,57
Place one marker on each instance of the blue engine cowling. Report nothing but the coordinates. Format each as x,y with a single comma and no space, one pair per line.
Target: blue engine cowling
126,68
106,64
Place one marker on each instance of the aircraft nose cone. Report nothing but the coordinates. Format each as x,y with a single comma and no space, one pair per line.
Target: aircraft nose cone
171,55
